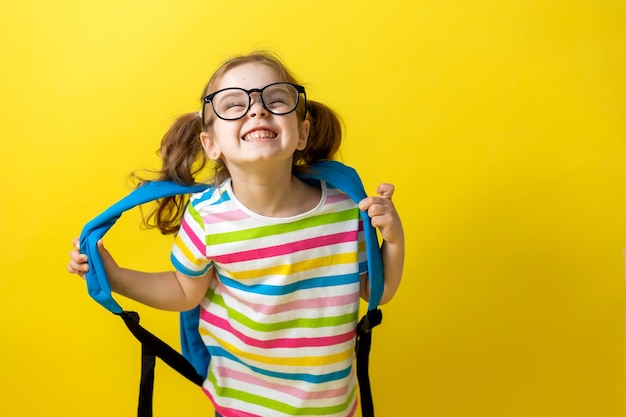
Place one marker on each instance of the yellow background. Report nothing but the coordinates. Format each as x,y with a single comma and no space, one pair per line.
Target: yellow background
502,124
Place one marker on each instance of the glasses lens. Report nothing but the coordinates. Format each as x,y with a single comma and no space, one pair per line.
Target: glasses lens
280,98
231,103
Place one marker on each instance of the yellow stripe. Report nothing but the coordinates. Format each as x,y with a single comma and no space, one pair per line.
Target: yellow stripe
286,269
307,361
184,249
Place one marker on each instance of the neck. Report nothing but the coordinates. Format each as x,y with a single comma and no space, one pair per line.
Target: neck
272,193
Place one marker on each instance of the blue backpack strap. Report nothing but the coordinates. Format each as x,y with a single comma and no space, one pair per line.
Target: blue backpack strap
191,344
100,290
97,281
348,181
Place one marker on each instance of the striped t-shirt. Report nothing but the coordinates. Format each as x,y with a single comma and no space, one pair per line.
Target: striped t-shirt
280,319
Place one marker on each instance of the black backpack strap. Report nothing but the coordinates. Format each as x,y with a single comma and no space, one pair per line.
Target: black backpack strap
151,348
363,345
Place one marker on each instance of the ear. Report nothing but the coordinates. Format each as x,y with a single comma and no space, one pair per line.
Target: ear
303,134
210,146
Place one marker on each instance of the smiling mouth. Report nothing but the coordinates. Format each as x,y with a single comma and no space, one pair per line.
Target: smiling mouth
259,135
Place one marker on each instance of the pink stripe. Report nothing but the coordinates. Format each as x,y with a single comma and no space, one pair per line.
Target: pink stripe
335,198
286,248
321,302
298,342
226,216
194,238
285,389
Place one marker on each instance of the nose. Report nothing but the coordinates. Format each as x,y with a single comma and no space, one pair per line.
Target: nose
256,106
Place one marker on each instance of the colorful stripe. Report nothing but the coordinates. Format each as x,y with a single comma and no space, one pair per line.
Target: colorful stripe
304,304
284,249
280,228
219,352
225,372
281,343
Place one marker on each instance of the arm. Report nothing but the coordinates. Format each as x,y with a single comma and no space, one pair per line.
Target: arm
168,290
384,216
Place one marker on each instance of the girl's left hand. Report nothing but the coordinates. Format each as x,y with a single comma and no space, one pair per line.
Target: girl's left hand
383,214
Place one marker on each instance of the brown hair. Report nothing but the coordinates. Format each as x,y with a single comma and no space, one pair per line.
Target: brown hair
182,155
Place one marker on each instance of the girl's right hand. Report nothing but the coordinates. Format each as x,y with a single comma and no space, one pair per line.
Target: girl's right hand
78,261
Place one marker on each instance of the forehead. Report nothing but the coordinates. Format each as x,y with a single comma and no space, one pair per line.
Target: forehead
250,75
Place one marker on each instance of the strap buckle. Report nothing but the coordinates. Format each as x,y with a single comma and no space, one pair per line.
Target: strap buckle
372,319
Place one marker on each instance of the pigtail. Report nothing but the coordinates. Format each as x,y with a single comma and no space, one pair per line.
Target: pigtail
182,155
324,135
182,158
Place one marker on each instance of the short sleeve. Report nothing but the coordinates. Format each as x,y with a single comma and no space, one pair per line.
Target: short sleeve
189,250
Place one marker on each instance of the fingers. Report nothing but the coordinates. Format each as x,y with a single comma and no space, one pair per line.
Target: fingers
78,261
380,217
379,209
385,190
76,269
382,212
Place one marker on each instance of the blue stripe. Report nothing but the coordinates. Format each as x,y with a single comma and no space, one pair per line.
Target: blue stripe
209,195
183,269
328,281
216,351
362,267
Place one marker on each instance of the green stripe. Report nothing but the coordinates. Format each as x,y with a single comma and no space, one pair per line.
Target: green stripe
276,229
277,405
196,216
281,325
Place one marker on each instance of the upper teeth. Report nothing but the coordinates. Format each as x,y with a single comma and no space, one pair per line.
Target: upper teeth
260,134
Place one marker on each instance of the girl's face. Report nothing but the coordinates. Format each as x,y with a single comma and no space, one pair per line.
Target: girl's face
259,138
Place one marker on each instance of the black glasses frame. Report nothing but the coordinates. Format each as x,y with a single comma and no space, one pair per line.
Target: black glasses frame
209,99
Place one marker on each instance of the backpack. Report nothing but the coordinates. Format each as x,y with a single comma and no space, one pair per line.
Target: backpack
194,358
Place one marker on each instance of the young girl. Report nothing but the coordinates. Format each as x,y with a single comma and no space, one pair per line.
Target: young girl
276,264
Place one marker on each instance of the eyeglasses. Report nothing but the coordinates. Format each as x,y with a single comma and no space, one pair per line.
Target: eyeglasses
233,103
